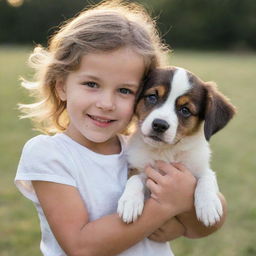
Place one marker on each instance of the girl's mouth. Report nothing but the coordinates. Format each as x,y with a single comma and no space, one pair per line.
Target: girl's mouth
100,121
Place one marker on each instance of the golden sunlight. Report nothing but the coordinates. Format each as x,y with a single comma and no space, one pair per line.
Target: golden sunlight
15,3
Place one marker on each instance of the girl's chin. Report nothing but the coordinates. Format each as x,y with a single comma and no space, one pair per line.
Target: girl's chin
98,138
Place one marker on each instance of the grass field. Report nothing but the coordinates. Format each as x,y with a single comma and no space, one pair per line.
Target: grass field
233,155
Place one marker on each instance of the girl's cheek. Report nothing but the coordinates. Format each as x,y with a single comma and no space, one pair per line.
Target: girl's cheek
131,109
127,113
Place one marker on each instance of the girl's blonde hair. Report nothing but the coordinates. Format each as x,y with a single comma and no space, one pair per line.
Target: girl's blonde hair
107,26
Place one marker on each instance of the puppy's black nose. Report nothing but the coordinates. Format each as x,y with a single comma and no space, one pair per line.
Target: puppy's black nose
160,125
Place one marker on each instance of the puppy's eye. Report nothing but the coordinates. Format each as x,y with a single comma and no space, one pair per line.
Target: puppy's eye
185,112
151,99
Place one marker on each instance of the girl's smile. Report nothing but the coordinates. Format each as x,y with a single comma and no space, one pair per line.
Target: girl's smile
100,96
101,121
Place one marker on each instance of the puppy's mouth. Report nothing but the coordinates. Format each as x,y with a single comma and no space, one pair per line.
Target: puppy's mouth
155,138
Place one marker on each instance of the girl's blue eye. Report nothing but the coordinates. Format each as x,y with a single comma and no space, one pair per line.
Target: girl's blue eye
185,112
125,91
151,99
91,84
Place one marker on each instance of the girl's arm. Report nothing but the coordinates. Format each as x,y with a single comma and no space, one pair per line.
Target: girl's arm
186,224
169,231
68,218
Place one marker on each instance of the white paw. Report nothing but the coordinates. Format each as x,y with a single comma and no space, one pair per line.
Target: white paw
208,208
130,206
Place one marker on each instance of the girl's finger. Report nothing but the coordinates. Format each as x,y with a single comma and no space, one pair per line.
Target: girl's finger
153,174
165,167
152,186
171,167
154,196
181,167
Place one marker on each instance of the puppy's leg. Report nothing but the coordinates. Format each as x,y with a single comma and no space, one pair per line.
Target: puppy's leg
131,203
207,203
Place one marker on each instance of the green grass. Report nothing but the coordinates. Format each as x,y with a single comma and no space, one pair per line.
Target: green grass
19,227
233,155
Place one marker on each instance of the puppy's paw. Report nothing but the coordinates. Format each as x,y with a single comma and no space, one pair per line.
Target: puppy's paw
130,207
208,208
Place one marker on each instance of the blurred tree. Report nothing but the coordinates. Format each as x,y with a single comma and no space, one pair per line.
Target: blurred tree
35,20
206,24
222,24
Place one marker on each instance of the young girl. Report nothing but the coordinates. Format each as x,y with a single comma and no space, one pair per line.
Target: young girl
87,82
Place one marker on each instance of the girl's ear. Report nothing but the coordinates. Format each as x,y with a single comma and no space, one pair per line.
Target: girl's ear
61,89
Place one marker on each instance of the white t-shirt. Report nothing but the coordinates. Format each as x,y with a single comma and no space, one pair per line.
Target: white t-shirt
100,179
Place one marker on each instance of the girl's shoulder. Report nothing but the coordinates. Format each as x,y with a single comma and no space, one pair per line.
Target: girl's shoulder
44,158
41,138
37,142
43,142
44,148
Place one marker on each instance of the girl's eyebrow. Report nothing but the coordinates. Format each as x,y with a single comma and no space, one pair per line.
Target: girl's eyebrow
131,85
88,76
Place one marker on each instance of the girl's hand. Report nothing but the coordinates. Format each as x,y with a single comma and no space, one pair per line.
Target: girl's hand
172,186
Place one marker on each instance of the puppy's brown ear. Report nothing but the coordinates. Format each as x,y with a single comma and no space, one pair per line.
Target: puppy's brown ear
218,110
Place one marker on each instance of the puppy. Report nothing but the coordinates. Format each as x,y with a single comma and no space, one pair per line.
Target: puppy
177,114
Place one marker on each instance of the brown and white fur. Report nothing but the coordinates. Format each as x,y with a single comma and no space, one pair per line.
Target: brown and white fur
177,114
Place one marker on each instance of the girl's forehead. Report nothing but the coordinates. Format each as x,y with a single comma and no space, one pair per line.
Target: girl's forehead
119,54
123,62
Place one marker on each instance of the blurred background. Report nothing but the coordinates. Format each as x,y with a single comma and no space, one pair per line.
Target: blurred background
214,39
193,24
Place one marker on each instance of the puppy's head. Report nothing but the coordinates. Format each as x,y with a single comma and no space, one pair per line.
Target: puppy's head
175,103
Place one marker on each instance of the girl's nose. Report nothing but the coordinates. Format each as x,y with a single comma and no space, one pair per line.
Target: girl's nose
106,102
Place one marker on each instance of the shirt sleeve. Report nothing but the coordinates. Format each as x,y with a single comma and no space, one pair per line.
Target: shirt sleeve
44,160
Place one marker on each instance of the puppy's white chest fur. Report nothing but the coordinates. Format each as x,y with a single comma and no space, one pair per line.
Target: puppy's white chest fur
194,152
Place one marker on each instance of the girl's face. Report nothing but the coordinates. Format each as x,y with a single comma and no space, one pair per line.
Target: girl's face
100,96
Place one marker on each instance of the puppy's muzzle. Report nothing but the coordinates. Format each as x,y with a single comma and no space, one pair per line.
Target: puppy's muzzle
160,125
